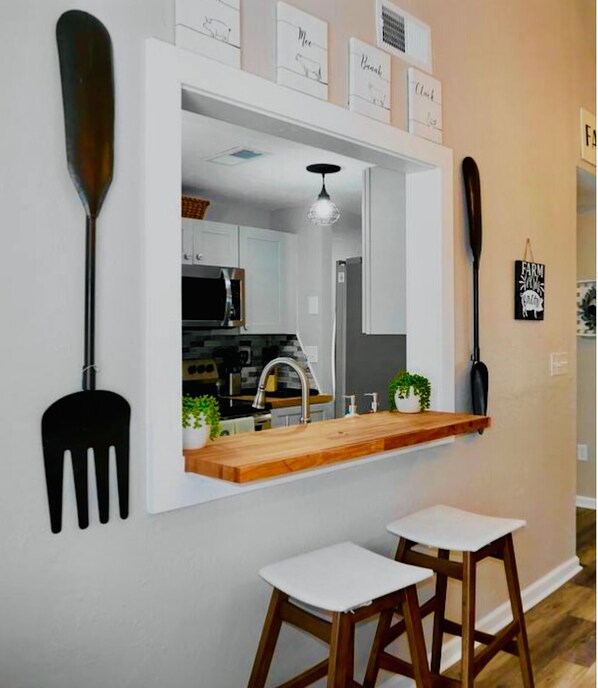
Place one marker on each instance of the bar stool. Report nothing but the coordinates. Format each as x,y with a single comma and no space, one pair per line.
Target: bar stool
477,537
351,584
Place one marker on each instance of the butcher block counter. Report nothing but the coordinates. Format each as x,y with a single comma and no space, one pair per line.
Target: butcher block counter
282,451
286,401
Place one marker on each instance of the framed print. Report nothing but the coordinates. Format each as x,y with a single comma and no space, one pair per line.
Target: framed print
425,105
586,308
301,51
210,27
369,80
529,290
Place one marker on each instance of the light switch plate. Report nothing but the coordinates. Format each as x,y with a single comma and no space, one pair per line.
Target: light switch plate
312,353
559,363
582,452
313,305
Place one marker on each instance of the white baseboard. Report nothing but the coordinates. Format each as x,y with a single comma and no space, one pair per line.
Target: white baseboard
501,616
586,502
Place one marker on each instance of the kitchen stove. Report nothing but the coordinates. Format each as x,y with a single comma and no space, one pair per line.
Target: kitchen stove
200,376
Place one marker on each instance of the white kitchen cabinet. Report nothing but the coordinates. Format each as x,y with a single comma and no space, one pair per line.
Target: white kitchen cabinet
209,243
270,262
384,230
283,417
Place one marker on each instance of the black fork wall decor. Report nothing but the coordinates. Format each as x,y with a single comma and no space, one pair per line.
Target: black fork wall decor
90,419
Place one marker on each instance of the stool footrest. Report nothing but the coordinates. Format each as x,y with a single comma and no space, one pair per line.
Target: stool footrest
398,666
453,628
452,569
308,677
500,642
399,628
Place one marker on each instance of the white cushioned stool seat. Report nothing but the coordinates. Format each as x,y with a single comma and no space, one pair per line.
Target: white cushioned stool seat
453,529
341,577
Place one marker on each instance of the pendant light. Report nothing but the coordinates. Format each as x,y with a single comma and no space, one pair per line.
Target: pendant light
323,211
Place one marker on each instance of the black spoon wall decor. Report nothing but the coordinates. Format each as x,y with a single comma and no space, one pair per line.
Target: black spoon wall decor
473,200
96,419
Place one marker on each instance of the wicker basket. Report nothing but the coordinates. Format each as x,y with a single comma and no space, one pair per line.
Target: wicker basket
194,208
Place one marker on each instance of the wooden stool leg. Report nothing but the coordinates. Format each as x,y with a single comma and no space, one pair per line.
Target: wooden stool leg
340,667
518,615
415,635
265,650
371,673
468,620
439,612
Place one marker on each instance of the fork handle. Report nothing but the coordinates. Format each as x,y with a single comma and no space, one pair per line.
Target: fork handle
89,371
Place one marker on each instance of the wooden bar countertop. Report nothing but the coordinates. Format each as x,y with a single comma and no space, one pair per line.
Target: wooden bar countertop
286,402
272,453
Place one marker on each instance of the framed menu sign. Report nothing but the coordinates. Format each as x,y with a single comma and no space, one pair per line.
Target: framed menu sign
529,290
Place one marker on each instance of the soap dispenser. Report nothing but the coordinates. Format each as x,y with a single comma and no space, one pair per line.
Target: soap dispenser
352,410
375,406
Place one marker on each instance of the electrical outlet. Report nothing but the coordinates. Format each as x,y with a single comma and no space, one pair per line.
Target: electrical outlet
559,363
582,452
245,354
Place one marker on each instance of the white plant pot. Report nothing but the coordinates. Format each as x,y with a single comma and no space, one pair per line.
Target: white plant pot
196,438
410,404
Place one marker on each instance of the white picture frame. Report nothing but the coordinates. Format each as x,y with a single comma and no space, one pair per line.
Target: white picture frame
586,308
369,80
424,94
211,28
301,51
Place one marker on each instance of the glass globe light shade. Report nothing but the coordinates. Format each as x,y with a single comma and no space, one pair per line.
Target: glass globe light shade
323,211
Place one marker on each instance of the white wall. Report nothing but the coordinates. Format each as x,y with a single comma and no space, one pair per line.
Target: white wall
233,212
175,600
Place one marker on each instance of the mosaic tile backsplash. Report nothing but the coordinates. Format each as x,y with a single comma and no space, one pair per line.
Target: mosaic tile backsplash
198,344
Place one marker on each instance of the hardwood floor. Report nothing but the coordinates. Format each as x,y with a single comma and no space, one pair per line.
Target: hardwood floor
561,629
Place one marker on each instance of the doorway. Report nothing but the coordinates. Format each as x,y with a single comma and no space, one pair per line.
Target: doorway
586,341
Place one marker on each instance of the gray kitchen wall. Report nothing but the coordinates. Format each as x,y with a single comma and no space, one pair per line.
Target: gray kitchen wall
175,599
586,362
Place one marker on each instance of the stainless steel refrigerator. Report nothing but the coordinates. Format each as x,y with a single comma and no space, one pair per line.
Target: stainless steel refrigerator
363,363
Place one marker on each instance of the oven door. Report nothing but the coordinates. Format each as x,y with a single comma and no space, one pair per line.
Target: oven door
212,296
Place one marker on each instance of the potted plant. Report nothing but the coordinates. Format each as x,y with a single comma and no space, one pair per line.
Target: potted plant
201,420
409,392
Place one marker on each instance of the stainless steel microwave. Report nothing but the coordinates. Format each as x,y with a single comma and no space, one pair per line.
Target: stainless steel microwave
213,296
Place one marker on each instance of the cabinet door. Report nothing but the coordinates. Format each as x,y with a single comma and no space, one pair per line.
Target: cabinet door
187,242
269,259
214,243
384,285
284,417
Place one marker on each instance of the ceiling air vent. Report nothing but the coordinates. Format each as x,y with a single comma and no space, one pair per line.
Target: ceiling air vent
236,156
403,35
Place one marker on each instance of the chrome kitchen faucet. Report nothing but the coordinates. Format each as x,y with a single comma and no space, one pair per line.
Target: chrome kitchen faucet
260,396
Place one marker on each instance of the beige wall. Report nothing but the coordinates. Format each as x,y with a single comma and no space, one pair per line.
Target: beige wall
511,99
586,363
175,599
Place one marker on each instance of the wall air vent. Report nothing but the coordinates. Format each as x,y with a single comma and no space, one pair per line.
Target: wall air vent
402,35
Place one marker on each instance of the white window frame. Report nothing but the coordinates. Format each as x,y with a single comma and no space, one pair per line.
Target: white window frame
217,90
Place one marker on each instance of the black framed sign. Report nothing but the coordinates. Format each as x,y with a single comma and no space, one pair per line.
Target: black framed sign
529,290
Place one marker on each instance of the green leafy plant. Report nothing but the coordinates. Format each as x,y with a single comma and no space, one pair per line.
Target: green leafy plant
200,411
402,383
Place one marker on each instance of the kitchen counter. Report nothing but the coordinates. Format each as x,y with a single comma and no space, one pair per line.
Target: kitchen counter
281,451
286,402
